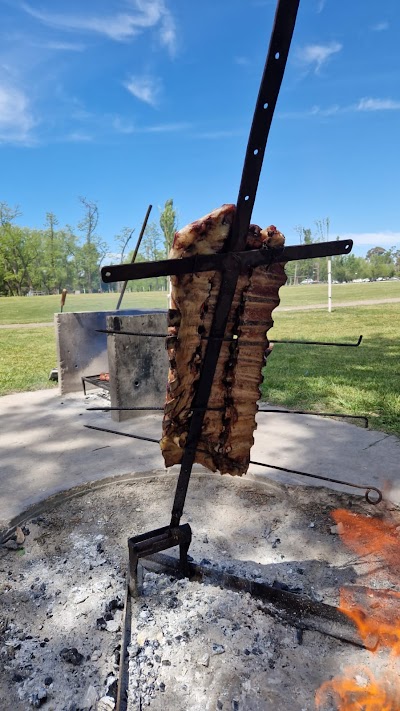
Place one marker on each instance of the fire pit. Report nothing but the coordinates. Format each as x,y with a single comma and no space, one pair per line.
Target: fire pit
192,645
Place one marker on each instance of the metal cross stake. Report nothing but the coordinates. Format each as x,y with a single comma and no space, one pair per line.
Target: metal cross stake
231,263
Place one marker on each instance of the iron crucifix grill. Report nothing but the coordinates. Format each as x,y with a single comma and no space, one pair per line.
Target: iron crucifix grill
231,262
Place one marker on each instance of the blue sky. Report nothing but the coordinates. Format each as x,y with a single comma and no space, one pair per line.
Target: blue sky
131,102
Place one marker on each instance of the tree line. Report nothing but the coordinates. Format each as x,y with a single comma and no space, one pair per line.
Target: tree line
47,260
378,263
53,258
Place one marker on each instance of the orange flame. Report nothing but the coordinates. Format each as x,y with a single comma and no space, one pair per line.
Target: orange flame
348,695
370,536
375,612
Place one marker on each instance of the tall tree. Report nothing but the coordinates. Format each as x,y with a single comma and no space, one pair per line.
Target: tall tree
123,239
168,224
93,249
51,224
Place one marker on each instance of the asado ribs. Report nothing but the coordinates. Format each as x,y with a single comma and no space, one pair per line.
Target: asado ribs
227,432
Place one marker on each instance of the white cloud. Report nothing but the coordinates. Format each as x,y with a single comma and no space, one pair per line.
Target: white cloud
121,26
386,238
367,105
313,56
144,88
64,46
166,128
378,105
242,61
380,26
79,137
329,111
122,126
168,33
215,135
16,119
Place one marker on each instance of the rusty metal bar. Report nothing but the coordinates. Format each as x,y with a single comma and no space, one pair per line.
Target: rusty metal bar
222,261
138,243
368,489
111,332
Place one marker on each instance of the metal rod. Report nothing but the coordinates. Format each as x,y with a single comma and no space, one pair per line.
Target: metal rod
221,409
367,488
318,414
134,254
297,610
321,343
123,671
112,332
325,478
155,409
221,261
124,434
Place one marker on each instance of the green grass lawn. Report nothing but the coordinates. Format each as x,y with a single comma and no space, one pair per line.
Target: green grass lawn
360,381
26,359
41,309
308,294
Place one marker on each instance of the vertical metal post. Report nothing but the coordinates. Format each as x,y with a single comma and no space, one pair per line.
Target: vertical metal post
135,254
329,284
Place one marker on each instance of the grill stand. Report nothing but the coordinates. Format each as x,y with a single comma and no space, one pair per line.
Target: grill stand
153,542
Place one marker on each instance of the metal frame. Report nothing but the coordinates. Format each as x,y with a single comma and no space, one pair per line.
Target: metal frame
95,381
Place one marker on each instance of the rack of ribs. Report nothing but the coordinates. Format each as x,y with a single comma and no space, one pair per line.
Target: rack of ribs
229,423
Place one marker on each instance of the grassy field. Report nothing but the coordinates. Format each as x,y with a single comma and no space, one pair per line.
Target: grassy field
360,381
41,309
364,380
26,358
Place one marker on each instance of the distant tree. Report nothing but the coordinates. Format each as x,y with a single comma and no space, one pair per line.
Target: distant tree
323,228
8,214
152,243
123,239
152,249
93,249
303,269
19,258
168,224
375,252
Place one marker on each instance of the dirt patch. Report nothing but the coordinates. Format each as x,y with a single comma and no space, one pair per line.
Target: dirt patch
194,646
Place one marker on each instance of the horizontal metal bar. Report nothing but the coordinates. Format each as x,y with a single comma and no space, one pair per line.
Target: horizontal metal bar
124,434
155,409
297,610
112,332
249,259
318,414
221,409
368,489
321,343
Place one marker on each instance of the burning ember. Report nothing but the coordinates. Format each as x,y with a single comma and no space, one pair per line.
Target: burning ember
376,614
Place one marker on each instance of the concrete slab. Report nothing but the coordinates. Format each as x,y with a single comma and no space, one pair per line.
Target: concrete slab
45,449
138,365
81,350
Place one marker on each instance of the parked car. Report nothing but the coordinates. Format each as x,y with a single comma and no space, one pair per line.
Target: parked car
307,281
